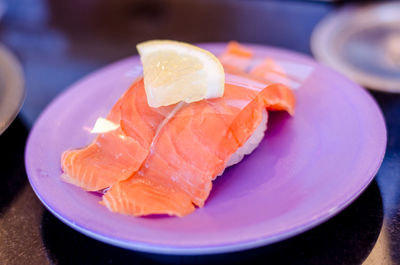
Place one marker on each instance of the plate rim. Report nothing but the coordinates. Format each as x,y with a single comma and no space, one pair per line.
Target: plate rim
220,248
14,80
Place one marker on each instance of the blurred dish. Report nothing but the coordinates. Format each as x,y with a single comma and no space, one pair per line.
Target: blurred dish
362,42
12,92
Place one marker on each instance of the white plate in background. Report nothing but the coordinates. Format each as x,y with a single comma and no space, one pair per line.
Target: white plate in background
362,42
12,92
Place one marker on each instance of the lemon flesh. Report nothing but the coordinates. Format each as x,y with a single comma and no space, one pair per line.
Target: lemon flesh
176,71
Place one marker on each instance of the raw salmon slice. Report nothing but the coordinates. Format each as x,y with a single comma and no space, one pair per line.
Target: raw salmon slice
116,155
236,58
239,60
192,148
163,160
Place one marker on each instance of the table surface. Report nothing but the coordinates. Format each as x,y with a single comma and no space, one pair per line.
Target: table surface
58,42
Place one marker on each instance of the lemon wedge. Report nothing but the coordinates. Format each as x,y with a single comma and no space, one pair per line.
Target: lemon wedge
177,71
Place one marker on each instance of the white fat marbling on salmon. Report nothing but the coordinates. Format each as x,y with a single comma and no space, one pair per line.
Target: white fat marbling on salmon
277,78
237,103
241,81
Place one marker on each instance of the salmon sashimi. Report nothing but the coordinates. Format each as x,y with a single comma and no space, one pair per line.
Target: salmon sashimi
236,58
193,147
116,155
239,60
163,160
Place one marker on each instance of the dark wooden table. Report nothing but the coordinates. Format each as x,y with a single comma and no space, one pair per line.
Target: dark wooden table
58,42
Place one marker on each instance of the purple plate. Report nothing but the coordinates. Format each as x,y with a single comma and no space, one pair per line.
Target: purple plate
307,168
